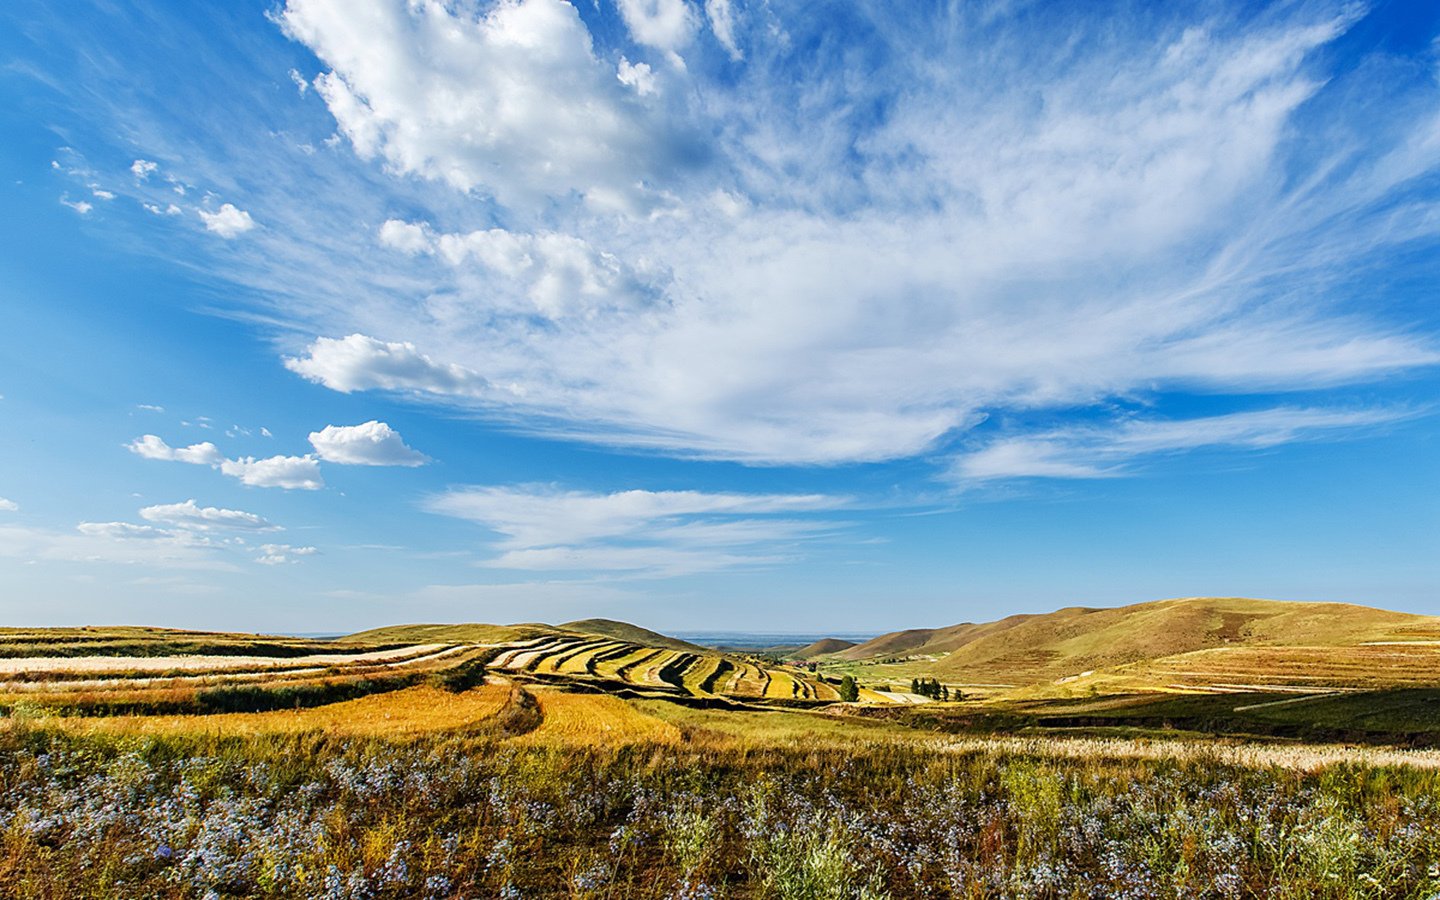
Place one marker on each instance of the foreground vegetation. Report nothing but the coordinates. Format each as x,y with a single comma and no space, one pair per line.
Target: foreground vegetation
532,761
467,815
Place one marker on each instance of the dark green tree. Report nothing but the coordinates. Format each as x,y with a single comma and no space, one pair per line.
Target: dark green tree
849,690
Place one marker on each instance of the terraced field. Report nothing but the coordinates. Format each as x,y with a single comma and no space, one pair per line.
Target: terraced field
660,671
556,684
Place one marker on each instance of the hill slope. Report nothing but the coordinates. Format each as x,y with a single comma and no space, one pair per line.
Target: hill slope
469,632
1027,649
822,647
634,634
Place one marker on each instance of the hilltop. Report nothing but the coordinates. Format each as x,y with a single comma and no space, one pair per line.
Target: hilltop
633,634
822,647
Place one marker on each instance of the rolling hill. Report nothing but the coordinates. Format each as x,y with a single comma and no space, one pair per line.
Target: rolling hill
1041,648
822,647
634,634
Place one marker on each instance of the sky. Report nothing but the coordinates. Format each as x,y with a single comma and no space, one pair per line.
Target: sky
320,315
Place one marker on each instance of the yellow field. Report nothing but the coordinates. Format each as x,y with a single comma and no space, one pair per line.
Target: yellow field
595,719
409,711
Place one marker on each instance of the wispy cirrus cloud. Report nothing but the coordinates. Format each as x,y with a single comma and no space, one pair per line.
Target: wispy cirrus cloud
638,532
1110,450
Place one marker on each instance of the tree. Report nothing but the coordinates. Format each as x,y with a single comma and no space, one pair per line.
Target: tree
849,690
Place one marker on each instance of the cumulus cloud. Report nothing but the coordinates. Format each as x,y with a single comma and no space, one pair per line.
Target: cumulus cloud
667,25
655,533
542,114
359,363
228,221
7,505
368,444
289,472
82,207
280,554
143,168
1108,450
152,446
638,76
191,515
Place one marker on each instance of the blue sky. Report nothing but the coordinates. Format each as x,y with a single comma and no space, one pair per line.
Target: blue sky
320,315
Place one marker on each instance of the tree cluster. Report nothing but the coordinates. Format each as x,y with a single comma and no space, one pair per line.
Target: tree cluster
932,688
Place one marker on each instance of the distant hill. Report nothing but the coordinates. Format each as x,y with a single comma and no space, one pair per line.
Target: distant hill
468,632
1034,648
822,647
624,631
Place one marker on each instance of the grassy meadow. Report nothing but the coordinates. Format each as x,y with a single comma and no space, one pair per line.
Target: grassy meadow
531,761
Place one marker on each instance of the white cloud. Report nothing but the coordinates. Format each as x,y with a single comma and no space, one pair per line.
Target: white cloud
102,194
124,531
227,221
279,554
638,76
542,115
1105,451
80,206
152,446
191,515
289,472
654,533
1010,236
556,275
299,81
143,168
169,209
359,363
7,505
407,237
369,444
150,407
722,23
115,543
667,25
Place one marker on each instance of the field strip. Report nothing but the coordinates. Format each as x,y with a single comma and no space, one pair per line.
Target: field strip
220,677
1256,756
28,664
410,710
594,719
905,697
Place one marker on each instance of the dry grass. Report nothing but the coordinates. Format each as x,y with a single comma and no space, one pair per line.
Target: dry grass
101,664
416,710
595,720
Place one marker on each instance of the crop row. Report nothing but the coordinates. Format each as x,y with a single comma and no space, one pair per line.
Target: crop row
653,669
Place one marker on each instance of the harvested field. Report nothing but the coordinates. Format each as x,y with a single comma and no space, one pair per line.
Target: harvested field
103,664
414,710
595,720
